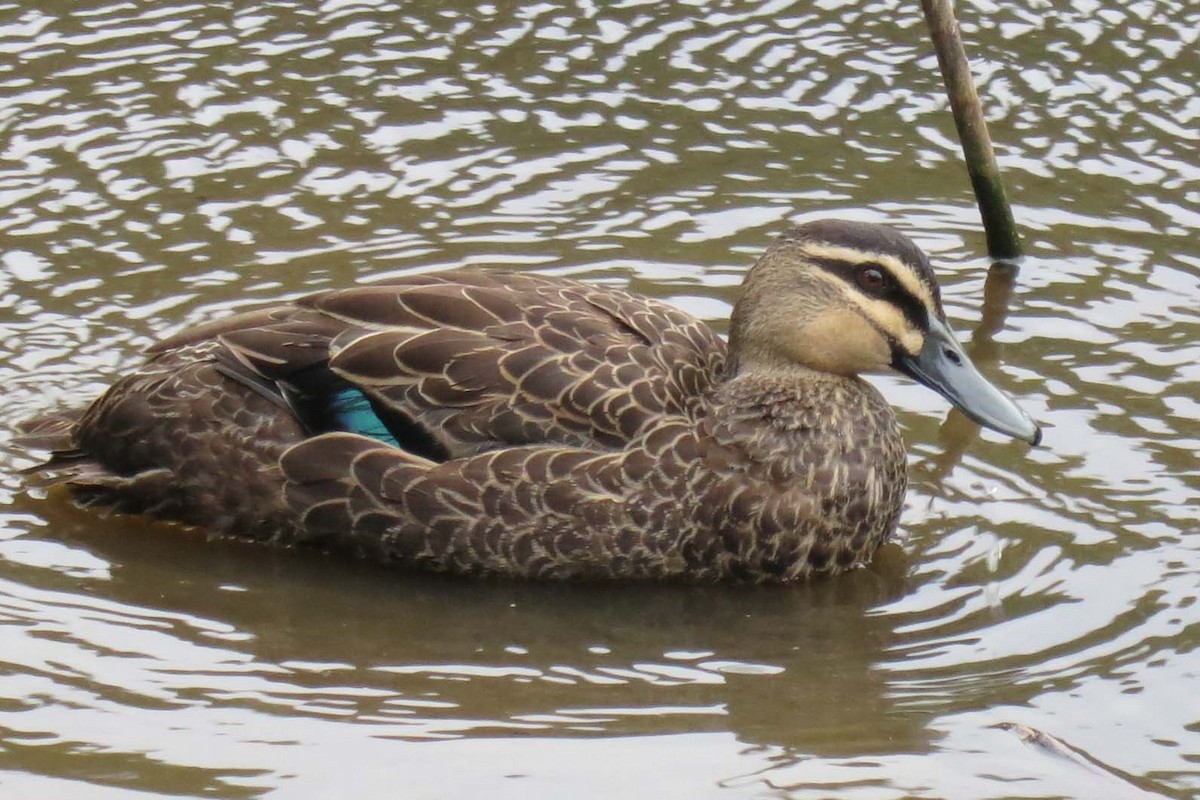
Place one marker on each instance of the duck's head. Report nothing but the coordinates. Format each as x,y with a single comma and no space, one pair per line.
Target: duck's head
849,297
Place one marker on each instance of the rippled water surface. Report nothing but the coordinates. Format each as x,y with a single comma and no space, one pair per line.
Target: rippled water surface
162,163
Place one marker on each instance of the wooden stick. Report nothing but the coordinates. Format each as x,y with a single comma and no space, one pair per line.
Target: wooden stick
1002,239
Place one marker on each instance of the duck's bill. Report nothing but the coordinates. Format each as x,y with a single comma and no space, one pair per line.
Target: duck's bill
944,367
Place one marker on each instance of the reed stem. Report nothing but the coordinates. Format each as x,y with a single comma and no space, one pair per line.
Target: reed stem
1003,241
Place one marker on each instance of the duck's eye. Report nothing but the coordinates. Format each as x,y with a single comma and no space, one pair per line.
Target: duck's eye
872,279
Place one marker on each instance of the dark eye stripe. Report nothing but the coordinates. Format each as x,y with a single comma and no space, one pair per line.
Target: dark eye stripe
893,291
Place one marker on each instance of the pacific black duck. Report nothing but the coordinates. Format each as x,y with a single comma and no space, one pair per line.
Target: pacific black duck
479,423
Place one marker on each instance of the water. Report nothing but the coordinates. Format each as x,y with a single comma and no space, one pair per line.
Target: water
161,164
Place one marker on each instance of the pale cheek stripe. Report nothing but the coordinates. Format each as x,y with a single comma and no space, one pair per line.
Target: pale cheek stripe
893,323
888,320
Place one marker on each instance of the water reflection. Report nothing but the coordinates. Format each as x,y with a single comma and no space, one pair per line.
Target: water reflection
165,163
772,666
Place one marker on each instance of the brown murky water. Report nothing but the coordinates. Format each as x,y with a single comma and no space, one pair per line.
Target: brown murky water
162,163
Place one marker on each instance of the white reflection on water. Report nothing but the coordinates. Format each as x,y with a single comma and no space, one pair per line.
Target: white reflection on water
166,164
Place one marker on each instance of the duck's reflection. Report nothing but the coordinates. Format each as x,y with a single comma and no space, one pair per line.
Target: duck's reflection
791,666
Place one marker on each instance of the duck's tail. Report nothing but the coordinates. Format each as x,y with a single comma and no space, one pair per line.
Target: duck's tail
48,431
55,433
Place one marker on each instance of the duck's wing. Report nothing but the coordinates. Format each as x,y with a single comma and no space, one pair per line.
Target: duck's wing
557,512
533,511
464,361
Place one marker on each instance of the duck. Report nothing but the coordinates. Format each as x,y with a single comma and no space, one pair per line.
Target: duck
481,423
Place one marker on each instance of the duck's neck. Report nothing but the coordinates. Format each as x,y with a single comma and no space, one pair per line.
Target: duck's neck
795,407
791,392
